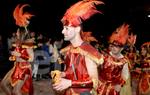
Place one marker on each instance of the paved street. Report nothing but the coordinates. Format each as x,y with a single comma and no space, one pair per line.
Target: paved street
42,87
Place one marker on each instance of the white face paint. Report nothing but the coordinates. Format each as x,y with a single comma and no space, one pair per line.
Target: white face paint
69,33
115,49
143,51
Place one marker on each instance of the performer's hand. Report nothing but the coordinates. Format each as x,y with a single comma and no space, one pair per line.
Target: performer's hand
12,58
62,85
63,74
138,70
15,53
117,87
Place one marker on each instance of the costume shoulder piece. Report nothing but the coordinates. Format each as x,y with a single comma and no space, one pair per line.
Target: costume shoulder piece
64,50
86,50
25,45
126,60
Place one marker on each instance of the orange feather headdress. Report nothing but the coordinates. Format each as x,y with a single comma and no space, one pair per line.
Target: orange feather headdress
22,18
120,35
87,36
80,11
146,44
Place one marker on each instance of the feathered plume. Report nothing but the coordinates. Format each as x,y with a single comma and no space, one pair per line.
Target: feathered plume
87,36
132,39
146,44
22,18
81,11
120,35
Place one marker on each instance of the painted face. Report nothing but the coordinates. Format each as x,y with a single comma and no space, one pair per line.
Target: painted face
143,51
69,33
115,49
32,34
18,43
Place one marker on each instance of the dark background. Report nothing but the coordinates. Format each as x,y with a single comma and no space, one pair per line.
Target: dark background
49,12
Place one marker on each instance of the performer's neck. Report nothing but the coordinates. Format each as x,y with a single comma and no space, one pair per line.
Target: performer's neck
76,42
117,55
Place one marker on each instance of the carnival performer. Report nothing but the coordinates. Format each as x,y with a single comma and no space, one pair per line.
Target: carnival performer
133,55
144,80
114,72
80,76
18,81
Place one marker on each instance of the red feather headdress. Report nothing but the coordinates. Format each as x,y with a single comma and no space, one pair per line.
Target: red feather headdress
80,11
22,18
120,35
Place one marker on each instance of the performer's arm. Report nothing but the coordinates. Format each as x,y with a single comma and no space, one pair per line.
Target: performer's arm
24,55
31,54
91,82
124,76
93,73
125,72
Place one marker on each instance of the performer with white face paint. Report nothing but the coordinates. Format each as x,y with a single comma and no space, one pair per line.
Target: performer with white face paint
80,76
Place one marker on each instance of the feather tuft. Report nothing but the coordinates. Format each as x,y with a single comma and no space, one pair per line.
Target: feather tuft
87,36
120,35
82,9
22,18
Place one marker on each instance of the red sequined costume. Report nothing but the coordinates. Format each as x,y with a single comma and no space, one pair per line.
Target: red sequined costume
144,81
114,71
76,69
81,82
22,68
110,75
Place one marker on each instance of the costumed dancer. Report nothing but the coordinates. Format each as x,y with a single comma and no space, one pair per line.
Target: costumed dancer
114,72
131,50
133,55
19,79
144,81
80,76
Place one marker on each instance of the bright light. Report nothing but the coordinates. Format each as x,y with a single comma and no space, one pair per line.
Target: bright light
148,15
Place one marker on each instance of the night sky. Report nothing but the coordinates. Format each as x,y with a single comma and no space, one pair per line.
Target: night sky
48,14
